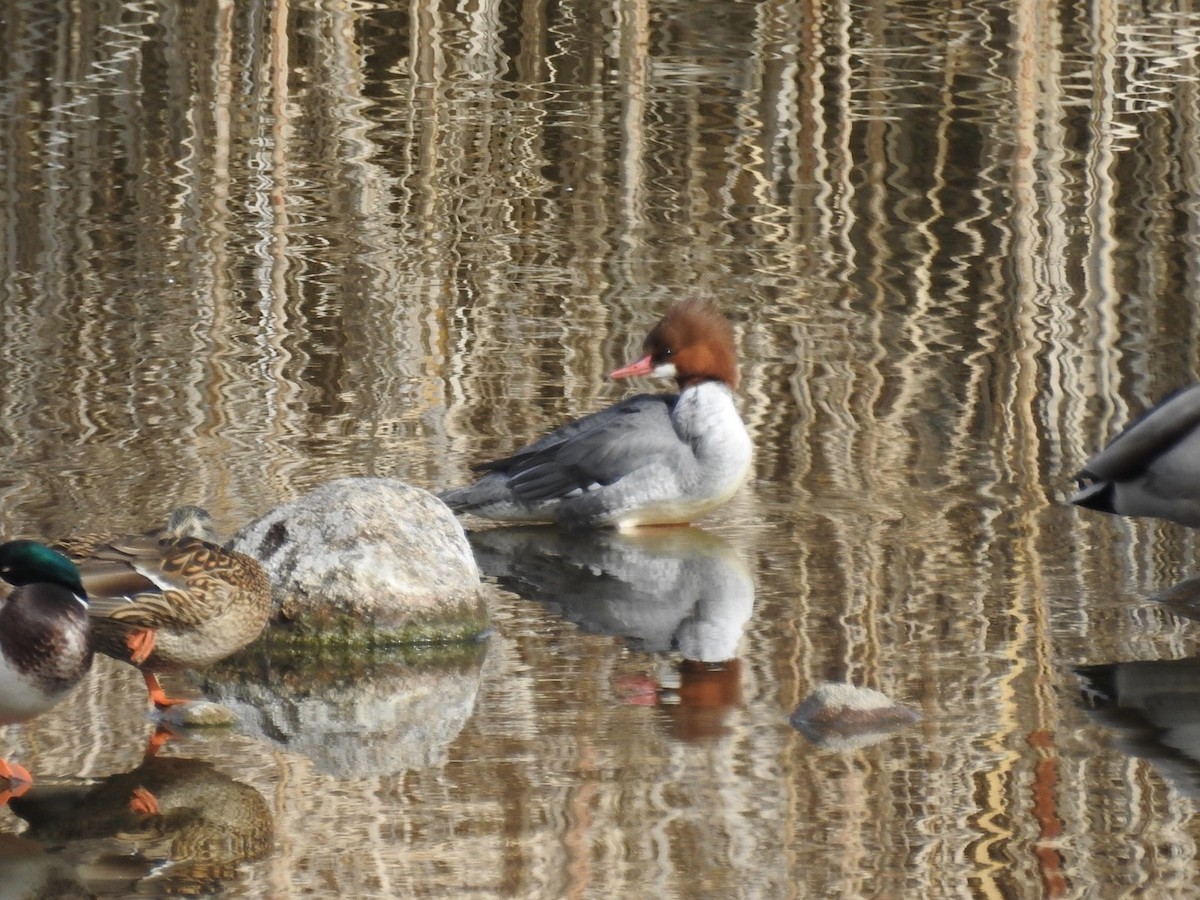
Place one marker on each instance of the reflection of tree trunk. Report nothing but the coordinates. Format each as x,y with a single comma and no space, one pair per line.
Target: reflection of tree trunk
635,63
287,420
213,290
1045,812
427,89
1102,298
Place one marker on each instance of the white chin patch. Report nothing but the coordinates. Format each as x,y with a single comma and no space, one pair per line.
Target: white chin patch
666,370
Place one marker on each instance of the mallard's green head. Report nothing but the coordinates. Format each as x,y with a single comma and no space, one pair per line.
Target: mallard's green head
28,562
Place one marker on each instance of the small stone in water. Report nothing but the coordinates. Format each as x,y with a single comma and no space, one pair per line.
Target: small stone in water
846,709
198,714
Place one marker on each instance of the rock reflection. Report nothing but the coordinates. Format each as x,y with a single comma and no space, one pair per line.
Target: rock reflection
1153,707
352,715
192,828
661,589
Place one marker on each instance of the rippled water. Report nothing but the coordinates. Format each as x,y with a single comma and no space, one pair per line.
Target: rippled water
247,248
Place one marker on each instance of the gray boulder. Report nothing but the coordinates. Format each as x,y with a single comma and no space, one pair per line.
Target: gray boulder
370,561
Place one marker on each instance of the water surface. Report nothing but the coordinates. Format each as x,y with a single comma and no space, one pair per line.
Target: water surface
247,248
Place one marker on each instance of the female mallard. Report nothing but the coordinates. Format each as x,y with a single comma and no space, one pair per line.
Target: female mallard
166,601
184,521
1152,468
45,646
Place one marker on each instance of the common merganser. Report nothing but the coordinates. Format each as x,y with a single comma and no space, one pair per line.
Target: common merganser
654,459
1152,468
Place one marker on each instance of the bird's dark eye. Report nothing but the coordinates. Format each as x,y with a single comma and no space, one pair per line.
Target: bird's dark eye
667,353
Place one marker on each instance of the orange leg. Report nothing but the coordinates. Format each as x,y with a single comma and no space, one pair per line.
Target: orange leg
9,794
157,695
144,802
15,774
160,737
141,645
18,778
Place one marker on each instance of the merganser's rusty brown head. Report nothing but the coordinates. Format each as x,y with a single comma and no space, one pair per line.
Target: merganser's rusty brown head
692,343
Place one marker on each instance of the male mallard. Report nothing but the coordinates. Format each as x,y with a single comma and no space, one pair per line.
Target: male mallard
166,601
1152,468
45,645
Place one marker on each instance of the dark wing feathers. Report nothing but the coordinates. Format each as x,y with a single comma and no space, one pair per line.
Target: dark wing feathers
545,482
1163,425
115,580
586,425
594,450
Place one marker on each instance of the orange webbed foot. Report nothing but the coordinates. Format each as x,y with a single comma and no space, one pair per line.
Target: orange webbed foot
157,695
18,778
144,802
16,775
141,645
11,793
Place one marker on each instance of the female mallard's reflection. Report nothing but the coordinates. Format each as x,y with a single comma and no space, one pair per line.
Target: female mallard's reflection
1153,706
182,812
662,589
352,713
31,872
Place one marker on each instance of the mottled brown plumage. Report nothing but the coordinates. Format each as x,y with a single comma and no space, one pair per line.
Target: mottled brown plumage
170,603
184,521
184,811
203,602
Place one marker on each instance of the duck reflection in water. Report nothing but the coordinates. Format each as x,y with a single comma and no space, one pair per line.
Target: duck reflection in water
182,812
32,871
1153,708
663,590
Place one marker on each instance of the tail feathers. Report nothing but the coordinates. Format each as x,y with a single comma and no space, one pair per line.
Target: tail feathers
457,499
491,498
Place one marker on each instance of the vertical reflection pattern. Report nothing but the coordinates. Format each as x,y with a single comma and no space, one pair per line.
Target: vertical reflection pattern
250,247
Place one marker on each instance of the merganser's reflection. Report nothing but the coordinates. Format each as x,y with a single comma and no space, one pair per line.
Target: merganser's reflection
662,589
